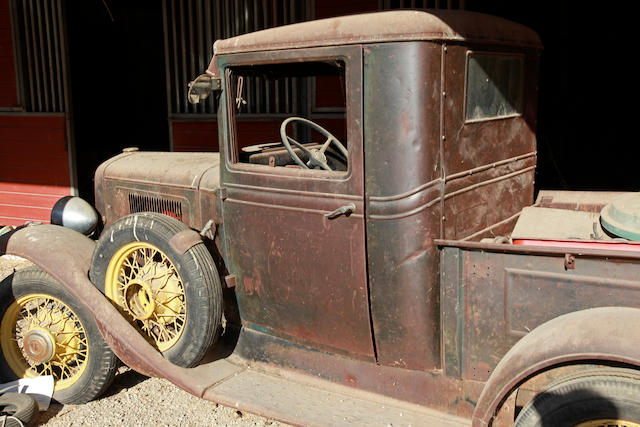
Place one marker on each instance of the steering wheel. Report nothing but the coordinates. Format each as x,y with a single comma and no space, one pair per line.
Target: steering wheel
316,156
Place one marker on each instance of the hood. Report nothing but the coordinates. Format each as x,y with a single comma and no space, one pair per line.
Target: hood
175,169
163,182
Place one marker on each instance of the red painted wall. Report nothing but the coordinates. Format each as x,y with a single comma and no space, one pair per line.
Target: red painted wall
8,93
203,136
195,136
34,167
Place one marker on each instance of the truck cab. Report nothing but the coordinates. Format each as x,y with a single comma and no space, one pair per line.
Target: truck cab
433,126
343,220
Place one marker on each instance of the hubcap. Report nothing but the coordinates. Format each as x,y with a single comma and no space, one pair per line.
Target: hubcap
138,300
39,346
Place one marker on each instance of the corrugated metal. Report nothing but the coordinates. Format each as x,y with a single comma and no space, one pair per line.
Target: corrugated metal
35,157
8,87
192,26
40,34
422,4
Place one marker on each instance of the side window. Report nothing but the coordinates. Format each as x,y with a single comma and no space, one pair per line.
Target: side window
290,115
494,86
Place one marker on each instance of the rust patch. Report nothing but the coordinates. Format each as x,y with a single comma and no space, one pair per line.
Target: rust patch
252,286
351,380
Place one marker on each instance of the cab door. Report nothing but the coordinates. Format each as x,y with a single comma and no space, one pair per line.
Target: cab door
299,261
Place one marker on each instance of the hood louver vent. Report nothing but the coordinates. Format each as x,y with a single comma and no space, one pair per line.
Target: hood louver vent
139,203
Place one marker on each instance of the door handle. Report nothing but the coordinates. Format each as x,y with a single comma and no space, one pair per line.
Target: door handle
345,210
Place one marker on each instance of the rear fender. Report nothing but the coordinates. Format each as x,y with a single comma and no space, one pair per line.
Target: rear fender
605,335
66,255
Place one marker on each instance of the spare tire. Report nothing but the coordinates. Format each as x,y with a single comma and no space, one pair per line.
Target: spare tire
171,294
589,399
17,406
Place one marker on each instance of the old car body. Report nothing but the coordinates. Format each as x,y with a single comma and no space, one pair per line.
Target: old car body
400,297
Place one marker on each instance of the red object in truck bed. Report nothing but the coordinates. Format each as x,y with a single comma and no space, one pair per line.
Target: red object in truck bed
607,245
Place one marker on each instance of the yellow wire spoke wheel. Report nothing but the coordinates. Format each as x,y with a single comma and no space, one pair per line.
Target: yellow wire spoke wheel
45,331
143,283
600,397
609,423
163,279
42,336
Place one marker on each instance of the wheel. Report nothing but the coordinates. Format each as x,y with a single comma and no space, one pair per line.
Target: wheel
44,331
174,299
586,401
316,156
19,409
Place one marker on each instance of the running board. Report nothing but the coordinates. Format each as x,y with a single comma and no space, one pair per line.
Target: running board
300,399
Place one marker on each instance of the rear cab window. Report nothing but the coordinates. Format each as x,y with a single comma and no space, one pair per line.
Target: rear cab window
494,86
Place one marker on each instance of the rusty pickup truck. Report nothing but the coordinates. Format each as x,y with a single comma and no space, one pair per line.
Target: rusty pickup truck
365,247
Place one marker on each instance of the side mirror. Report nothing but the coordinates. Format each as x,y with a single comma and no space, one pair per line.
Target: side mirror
201,88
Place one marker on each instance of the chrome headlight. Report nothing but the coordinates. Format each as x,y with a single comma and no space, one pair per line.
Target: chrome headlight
76,214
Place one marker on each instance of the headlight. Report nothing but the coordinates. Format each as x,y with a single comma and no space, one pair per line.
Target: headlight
74,213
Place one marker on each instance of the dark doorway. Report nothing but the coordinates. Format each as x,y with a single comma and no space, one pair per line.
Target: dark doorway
585,137
118,87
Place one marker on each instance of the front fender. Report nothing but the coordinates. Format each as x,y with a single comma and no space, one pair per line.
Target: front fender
66,255
607,334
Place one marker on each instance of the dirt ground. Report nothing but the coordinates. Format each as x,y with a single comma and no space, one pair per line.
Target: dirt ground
135,400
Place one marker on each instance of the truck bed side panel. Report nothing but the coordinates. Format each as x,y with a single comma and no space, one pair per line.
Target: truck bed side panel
492,299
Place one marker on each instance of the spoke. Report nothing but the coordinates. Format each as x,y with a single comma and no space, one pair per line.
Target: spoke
176,317
152,255
46,368
169,308
163,333
67,345
152,333
165,291
74,353
127,263
166,281
27,317
171,299
65,371
66,332
145,327
132,263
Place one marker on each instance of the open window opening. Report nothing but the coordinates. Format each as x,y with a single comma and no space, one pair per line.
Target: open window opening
290,115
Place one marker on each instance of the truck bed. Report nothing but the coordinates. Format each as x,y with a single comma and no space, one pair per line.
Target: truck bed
492,294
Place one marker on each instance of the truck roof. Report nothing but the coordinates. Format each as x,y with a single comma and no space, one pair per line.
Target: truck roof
380,27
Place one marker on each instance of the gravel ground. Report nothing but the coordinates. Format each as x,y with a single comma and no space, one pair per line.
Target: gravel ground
135,400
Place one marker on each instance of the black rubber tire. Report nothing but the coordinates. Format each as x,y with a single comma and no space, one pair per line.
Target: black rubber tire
101,363
201,283
584,398
18,405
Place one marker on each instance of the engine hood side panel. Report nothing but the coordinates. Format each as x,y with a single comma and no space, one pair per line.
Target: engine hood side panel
167,183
